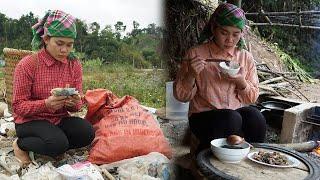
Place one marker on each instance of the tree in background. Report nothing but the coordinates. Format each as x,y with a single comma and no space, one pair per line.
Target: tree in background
13,32
140,47
120,28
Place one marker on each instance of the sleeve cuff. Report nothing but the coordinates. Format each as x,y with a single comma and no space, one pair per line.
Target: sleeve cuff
188,86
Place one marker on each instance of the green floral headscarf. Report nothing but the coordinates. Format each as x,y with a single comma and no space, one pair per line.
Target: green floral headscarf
54,24
226,15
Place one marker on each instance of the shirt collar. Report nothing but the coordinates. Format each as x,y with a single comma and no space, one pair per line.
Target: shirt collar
48,59
224,53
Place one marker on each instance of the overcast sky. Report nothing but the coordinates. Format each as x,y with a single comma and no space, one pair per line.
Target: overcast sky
104,12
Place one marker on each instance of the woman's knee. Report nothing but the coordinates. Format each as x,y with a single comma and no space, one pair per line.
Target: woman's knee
78,131
230,122
88,134
254,124
252,115
231,116
56,145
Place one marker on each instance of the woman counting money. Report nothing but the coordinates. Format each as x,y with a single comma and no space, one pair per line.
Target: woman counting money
43,124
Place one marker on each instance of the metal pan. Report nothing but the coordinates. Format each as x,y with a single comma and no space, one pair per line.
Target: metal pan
274,106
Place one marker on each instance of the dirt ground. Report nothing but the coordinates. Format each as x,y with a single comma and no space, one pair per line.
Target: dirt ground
311,91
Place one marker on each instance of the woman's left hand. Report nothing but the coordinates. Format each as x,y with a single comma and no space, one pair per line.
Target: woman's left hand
237,79
71,101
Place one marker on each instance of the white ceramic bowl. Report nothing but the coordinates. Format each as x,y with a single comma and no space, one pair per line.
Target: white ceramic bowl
228,155
232,70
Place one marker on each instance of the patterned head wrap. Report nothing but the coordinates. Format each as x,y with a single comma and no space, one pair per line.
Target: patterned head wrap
54,24
227,15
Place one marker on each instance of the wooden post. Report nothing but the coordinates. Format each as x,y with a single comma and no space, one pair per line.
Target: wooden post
265,17
284,25
235,2
299,15
285,13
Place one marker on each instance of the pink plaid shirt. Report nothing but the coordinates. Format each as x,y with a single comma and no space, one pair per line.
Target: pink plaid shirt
33,81
211,91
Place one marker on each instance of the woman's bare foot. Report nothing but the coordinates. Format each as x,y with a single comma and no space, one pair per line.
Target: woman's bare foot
21,155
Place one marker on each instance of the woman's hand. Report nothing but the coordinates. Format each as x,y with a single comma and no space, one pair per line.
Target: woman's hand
237,79
197,64
71,101
55,102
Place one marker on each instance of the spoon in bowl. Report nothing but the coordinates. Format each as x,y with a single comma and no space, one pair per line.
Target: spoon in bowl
236,141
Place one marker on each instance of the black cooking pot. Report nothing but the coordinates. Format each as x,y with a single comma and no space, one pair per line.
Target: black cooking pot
274,107
273,112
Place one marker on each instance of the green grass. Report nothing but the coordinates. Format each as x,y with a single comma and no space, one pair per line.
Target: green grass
148,87
293,65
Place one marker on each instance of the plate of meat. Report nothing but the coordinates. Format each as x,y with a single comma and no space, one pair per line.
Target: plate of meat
273,159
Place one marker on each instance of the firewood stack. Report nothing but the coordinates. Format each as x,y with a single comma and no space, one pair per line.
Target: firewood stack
278,83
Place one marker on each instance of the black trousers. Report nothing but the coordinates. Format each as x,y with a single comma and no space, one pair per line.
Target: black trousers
247,122
43,137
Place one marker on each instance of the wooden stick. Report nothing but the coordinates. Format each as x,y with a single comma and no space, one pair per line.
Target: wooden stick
281,94
308,122
216,60
297,90
301,147
109,176
299,15
265,16
270,89
271,80
285,25
282,84
263,73
263,92
6,168
291,91
210,60
283,13
287,80
270,71
274,72
277,73
4,164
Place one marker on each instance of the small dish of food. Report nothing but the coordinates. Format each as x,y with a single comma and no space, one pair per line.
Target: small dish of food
230,68
273,159
228,153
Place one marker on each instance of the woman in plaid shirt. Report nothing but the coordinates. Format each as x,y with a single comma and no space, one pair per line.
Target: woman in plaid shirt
217,100
43,123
